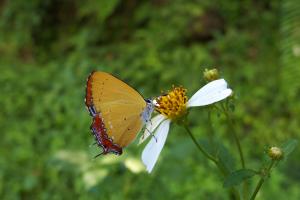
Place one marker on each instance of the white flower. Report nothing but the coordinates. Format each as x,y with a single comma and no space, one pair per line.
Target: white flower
173,106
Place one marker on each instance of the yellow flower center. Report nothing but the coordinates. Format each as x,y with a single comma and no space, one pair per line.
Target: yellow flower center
173,104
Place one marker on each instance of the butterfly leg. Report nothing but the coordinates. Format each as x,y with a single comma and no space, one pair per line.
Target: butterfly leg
93,144
152,135
98,155
102,153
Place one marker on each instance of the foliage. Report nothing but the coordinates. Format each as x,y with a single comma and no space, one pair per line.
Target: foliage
48,48
237,177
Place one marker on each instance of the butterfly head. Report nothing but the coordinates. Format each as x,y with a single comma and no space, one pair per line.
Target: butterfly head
146,114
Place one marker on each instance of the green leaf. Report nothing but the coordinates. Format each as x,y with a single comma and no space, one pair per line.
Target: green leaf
225,158
218,150
238,177
101,9
289,147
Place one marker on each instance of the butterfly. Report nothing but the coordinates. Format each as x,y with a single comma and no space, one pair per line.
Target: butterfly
119,112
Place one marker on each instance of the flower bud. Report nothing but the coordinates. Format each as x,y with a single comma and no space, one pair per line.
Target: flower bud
275,153
210,75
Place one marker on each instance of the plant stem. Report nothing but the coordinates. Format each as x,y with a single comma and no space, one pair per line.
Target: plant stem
233,191
199,146
232,128
237,141
261,181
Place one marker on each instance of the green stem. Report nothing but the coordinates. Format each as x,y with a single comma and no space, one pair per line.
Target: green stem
261,181
199,146
237,141
214,160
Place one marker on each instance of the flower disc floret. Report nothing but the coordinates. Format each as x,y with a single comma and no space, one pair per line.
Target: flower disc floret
173,104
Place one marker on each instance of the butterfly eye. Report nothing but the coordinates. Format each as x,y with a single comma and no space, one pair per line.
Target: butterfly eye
148,100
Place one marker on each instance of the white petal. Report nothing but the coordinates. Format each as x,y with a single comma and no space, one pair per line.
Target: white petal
154,147
210,93
151,126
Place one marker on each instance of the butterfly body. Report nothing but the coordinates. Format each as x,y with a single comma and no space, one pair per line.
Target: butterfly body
118,111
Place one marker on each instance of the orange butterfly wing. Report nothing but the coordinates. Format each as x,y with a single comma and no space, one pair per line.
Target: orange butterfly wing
120,106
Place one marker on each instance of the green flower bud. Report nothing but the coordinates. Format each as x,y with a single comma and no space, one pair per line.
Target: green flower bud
275,153
211,75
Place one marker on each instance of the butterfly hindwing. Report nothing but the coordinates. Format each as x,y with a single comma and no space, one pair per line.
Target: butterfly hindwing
119,105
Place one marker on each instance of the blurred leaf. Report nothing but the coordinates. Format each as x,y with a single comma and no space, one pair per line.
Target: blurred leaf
208,146
101,9
219,151
225,158
289,147
237,177
290,49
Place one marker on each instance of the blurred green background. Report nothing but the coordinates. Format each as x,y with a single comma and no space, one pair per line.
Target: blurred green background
49,47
